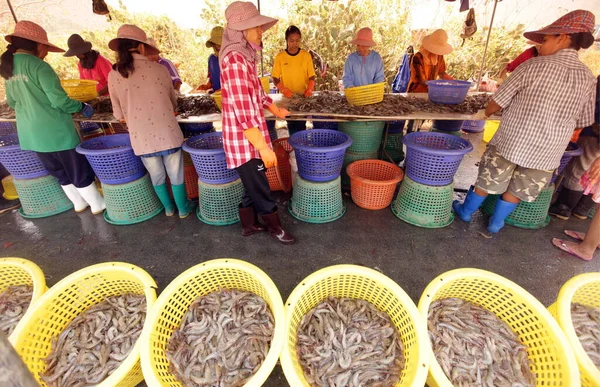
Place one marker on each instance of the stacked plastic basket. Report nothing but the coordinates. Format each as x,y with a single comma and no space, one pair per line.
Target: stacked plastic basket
127,188
317,194
573,150
425,196
41,195
366,140
191,129
220,189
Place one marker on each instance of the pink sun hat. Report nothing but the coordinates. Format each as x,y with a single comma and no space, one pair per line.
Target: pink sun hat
571,23
242,15
29,30
132,32
364,37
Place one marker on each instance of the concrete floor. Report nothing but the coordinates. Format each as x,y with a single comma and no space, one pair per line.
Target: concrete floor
411,256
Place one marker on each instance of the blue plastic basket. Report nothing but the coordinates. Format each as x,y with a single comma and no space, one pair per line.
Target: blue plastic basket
448,125
208,156
7,128
470,126
573,150
324,124
396,127
434,158
448,92
22,164
112,159
88,126
195,128
272,130
320,153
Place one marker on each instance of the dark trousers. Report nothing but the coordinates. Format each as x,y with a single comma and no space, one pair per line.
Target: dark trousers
257,192
69,167
295,126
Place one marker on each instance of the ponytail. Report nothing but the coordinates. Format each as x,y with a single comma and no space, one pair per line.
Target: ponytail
125,52
7,59
581,40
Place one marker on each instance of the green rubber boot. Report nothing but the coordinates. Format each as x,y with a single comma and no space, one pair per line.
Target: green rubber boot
184,205
163,195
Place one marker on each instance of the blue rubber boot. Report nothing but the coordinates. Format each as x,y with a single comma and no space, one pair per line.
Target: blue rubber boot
163,195
502,211
471,204
184,205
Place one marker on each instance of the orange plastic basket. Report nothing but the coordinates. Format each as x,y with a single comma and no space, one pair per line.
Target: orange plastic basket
373,182
280,177
191,181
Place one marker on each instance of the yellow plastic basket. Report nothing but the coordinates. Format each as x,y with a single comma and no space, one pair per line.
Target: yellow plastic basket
19,271
175,300
10,192
585,290
69,298
82,90
218,99
365,95
356,282
553,361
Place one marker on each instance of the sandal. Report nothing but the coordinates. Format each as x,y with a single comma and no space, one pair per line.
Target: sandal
577,235
563,246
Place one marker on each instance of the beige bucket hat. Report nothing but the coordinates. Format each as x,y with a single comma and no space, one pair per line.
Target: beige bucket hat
132,32
216,36
29,30
437,43
242,15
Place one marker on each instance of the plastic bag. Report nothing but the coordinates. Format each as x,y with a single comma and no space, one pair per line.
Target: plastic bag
400,84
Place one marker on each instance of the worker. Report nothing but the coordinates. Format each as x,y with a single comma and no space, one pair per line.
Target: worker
214,72
173,72
365,66
428,63
91,64
245,134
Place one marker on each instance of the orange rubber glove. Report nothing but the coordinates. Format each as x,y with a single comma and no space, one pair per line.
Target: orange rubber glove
206,86
287,93
258,141
310,88
278,112
576,134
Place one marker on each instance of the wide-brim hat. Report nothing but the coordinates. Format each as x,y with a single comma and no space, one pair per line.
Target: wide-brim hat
243,15
133,32
216,37
571,23
31,31
77,46
437,43
364,37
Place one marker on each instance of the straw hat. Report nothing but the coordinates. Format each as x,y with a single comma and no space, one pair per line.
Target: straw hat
216,37
364,37
243,15
77,46
129,31
437,43
571,23
29,30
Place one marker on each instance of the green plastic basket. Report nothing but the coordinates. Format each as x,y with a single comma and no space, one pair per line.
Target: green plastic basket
132,202
366,136
393,147
592,212
457,133
350,157
41,197
317,202
532,215
219,203
423,205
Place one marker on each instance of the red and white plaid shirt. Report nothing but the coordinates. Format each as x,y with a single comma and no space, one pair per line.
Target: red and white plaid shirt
243,101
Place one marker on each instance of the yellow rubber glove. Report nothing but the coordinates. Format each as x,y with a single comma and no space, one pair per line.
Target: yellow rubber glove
278,112
310,88
258,141
287,93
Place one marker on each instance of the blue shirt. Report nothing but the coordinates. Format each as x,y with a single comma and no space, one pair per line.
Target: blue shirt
214,73
363,70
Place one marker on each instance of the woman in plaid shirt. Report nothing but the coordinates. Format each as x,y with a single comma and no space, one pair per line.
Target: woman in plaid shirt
543,102
245,134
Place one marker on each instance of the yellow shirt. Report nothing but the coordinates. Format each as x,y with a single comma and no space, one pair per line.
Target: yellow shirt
294,70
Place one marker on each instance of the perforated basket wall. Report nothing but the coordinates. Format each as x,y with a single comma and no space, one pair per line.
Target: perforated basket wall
88,126
350,157
356,282
573,150
552,360
393,147
131,203
319,153
280,177
423,205
582,289
7,128
471,126
191,129
272,129
112,159
365,95
208,156
176,299
218,205
396,127
19,163
434,158
10,192
532,215
191,181
317,124
83,90
69,298
593,211
373,183
449,92
457,133
317,202
366,136
41,197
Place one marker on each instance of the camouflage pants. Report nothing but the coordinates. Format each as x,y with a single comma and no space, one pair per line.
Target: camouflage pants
498,175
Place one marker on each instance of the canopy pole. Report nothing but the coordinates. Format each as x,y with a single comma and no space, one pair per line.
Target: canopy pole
487,42
262,70
14,15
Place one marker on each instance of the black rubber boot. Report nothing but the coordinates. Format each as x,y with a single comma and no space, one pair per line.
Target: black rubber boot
567,200
583,207
249,220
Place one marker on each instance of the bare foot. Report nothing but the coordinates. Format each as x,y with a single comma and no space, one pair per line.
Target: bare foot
577,235
573,249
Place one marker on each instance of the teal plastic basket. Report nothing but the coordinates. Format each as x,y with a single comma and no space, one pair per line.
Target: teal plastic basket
131,203
219,203
593,211
424,205
350,157
41,197
531,216
314,202
393,147
366,136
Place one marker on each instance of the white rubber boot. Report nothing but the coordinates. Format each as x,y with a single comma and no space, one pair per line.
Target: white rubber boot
78,202
93,197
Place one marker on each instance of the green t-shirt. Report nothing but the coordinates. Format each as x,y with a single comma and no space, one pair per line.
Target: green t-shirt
44,121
